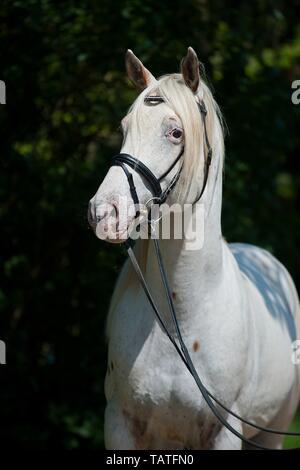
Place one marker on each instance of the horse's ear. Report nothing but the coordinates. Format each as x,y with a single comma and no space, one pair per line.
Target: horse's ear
190,70
138,74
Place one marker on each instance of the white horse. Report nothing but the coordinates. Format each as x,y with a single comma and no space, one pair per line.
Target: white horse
236,304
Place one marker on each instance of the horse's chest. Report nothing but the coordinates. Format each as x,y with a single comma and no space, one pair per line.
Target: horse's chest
157,395
153,389
161,408
147,369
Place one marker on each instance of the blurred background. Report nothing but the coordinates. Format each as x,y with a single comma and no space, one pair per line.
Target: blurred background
63,65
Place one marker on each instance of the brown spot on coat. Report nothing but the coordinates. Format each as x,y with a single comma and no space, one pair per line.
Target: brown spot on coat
137,428
196,346
174,295
173,435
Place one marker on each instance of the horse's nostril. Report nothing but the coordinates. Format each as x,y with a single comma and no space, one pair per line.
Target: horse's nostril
101,217
104,211
91,213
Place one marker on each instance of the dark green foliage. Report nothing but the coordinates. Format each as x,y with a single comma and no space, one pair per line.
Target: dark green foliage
63,64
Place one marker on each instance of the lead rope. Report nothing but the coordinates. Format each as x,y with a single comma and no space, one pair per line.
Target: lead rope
184,354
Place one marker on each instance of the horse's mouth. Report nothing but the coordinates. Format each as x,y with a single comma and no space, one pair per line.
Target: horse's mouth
111,236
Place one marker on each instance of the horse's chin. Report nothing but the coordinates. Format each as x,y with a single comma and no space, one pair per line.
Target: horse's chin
115,241
110,236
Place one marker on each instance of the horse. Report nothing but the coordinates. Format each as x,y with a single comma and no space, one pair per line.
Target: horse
236,304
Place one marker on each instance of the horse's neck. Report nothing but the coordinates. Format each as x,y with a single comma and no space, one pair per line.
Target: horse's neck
192,274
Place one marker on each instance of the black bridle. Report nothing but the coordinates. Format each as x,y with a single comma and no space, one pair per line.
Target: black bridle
123,160
160,196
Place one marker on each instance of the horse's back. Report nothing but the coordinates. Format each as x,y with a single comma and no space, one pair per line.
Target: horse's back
273,282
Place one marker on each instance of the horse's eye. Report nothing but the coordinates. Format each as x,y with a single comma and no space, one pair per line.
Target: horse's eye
176,133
